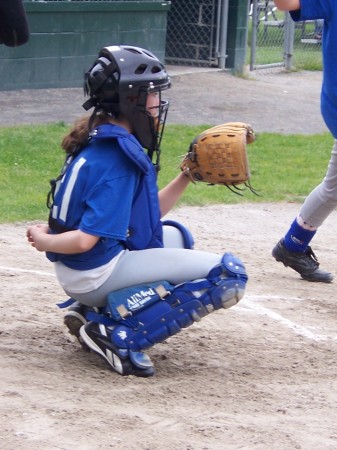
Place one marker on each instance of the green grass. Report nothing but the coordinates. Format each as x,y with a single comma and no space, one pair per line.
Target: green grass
284,168
30,157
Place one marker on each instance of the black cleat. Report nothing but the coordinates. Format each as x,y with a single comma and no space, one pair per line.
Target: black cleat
75,318
97,337
305,264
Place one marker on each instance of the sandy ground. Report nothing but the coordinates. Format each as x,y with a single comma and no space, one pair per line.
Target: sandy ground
261,375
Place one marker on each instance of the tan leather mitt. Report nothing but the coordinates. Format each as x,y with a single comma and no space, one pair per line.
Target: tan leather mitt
219,155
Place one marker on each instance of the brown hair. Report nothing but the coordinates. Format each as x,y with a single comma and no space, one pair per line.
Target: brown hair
79,134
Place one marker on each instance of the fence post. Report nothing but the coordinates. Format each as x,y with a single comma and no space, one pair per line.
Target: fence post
223,34
255,22
289,36
237,35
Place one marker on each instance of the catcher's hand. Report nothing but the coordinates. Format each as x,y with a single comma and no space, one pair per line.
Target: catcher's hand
219,155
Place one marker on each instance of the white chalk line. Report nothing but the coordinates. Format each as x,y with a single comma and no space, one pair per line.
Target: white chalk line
249,303
17,270
298,329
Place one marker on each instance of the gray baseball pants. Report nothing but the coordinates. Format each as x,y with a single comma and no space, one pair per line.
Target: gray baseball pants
323,199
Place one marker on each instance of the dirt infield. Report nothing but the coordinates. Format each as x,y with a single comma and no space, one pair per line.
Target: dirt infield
261,375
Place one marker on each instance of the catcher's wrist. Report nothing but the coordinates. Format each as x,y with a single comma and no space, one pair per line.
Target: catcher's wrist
187,174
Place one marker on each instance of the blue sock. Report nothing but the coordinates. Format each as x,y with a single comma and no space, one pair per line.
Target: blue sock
297,239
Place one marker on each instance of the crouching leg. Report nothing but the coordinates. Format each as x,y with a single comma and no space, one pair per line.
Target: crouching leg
141,316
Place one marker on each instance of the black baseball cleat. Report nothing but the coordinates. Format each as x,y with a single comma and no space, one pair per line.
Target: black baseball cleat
306,264
97,337
75,318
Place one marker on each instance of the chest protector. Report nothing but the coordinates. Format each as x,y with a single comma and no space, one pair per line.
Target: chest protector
145,227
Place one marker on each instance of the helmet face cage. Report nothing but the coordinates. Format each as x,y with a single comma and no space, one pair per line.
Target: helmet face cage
147,123
119,83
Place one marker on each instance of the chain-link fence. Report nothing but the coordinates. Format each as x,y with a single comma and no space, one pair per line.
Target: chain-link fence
192,27
196,29
276,41
196,35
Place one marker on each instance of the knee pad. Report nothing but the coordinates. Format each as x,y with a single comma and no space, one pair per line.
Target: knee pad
176,235
143,315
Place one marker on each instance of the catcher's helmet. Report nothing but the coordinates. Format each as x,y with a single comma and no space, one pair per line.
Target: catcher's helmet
119,82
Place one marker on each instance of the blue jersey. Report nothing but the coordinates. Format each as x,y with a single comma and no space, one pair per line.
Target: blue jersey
327,10
98,194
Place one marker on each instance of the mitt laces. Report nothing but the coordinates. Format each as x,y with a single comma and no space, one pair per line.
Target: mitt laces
236,189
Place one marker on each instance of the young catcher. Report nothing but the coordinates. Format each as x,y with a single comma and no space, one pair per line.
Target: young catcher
105,234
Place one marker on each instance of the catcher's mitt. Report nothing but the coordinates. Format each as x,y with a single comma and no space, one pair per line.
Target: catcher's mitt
219,155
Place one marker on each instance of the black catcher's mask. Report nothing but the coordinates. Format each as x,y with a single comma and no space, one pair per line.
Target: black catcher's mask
119,82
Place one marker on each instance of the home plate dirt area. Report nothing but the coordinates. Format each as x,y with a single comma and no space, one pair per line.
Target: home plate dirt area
260,375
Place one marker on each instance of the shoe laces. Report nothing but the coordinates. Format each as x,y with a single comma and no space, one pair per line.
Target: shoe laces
310,254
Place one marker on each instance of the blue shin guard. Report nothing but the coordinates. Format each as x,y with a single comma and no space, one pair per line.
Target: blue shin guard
144,315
